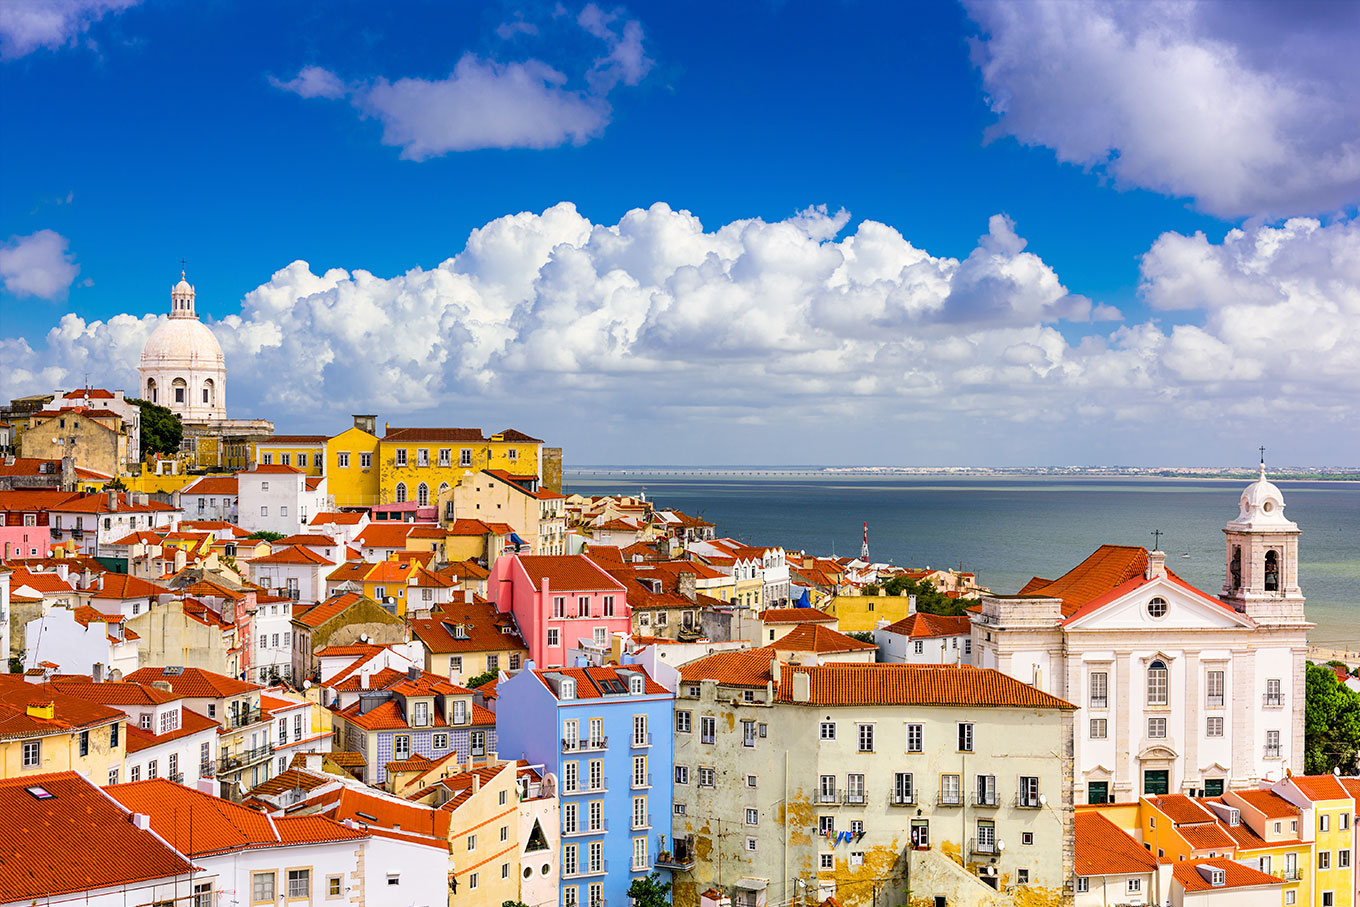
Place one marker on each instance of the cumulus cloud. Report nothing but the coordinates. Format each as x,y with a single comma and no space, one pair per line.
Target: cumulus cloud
39,264
489,103
782,325
1247,107
26,25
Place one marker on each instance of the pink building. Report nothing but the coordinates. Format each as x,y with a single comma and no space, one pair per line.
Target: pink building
557,601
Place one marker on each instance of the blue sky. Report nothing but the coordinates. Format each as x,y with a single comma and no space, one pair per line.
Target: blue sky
1093,324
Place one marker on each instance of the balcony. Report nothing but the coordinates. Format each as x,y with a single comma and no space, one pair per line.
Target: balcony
176,777
207,769
854,798
950,799
989,799
983,846
641,783
1272,700
601,787
1023,801
639,743
1289,875
1272,752
236,761
1214,701
592,745
681,859
828,798
896,799
243,718
1099,702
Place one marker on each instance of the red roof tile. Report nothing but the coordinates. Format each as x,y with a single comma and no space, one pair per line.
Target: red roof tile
795,616
588,684
928,626
1104,848
1320,787
1108,567
483,630
817,638
568,573
194,683
1235,875
882,684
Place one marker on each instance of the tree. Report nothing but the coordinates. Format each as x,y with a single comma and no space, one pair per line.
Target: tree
862,636
929,600
161,429
513,904
115,484
1331,724
484,677
265,535
650,891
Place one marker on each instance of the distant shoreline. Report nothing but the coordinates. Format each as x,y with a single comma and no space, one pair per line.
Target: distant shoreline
1286,474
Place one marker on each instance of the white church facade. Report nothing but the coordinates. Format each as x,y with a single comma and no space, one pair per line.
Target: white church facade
1178,691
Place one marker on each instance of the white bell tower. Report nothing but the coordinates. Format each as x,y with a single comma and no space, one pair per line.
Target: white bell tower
1261,578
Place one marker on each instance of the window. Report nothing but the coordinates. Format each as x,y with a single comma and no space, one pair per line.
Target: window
903,792
828,730
751,781
1345,821
113,776
1157,683
679,809
748,733
609,606
1343,859
473,879
1290,898
1027,838
465,457
596,856
559,606
1328,899
965,737
401,456
1213,727
1134,886
552,637
915,738
1100,687
299,883
640,812
570,864
826,789
514,661
866,738
493,662
682,724
752,816
84,743
949,790
1213,689
365,460
986,790
1324,822
342,459
32,753
682,774
640,734
919,647
401,747
750,843
1274,695
705,777
1157,727
826,861
1156,608
471,842
1272,744
708,729
444,456
1098,728
1324,859
854,788
422,494
569,818
826,825
261,887
641,777
1029,791
1083,884
264,511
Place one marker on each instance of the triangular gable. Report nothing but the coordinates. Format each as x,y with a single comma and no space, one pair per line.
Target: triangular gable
1126,608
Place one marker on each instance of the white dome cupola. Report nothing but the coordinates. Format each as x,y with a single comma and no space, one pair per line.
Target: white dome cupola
1261,568
182,365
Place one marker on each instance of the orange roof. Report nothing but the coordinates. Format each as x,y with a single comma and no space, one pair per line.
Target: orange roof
200,824
195,683
88,393
125,586
113,692
567,573
385,535
293,439
514,434
817,638
1235,875
1181,809
40,581
335,605
1104,848
901,684
219,485
606,556
190,723
483,630
1320,787
310,539
468,527
795,616
742,669
433,434
588,680
374,809
69,713
927,626
1205,837
464,570
79,840
293,554
1109,567
336,517
274,469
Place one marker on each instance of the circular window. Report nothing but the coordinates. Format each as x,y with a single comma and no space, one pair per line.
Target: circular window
546,868
1267,507
1157,607
528,871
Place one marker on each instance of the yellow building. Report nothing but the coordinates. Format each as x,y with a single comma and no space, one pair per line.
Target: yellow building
93,438
304,452
44,730
352,465
1327,804
419,464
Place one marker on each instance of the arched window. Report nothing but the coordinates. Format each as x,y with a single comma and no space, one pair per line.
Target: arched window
209,392
1157,682
443,488
1235,567
151,389
1272,571
181,390
401,492
422,494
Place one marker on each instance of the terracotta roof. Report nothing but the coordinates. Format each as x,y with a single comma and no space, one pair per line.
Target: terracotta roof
1181,809
273,469
124,586
588,680
899,684
293,439
1235,875
795,616
385,535
201,825
69,713
1104,848
336,517
88,393
330,608
1108,567
99,503
733,668
292,779
606,556
482,625
511,434
432,434
1205,837
568,573
1320,787
48,847
308,539
1352,786
219,485
375,809
293,554
928,626
194,683
190,723
42,581
37,500
817,638
416,763
113,692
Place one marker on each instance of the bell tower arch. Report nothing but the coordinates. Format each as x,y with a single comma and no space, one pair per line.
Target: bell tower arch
1261,567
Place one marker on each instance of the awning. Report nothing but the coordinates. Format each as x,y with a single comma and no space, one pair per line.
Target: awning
517,541
753,884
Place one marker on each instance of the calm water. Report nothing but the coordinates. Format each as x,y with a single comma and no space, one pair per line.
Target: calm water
1008,529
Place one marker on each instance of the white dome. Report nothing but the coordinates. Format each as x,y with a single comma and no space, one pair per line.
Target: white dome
182,341
1262,504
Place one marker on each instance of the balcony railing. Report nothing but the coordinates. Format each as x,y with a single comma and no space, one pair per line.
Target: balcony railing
982,846
950,800
827,797
243,718
207,769
680,859
177,777
1272,752
987,799
1272,700
1289,875
854,798
593,744
1215,701
647,819
640,743
234,761
1024,801
640,782
896,799
1099,702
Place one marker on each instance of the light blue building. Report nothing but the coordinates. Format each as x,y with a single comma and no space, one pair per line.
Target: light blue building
606,732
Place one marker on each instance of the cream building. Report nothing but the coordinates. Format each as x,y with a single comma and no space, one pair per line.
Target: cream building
857,781
1179,691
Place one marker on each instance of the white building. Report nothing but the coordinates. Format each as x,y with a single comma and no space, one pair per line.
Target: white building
931,639
295,572
1179,691
209,498
182,366
95,521
271,629
82,640
275,498
295,730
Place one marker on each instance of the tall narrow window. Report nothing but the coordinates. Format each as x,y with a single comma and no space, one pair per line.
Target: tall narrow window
1235,568
401,493
1272,571
1100,689
1213,684
422,494
1157,683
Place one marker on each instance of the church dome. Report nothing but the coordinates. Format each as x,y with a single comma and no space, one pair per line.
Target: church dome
182,365
1262,504
182,341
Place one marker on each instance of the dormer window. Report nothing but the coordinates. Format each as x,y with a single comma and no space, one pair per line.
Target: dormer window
568,689
636,684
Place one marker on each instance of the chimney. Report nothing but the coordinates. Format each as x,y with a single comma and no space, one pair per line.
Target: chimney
413,673
142,821
63,571
363,681
162,685
687,584
911,605
1156,568
113,499
802,686
368,423
312,761
476,782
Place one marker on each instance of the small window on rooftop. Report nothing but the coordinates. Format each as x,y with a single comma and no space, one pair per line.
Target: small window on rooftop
40,793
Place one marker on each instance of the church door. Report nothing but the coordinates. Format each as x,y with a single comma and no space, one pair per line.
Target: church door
1097,791
1156,782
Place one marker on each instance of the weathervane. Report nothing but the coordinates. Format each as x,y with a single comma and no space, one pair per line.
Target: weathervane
1156,539
1263,453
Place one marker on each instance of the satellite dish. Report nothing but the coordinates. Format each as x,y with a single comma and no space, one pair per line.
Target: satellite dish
1043,800
363,637
1001,846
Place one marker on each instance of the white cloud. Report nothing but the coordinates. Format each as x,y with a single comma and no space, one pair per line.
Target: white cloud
26,25
39,264
489,103
770,330
1245,107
